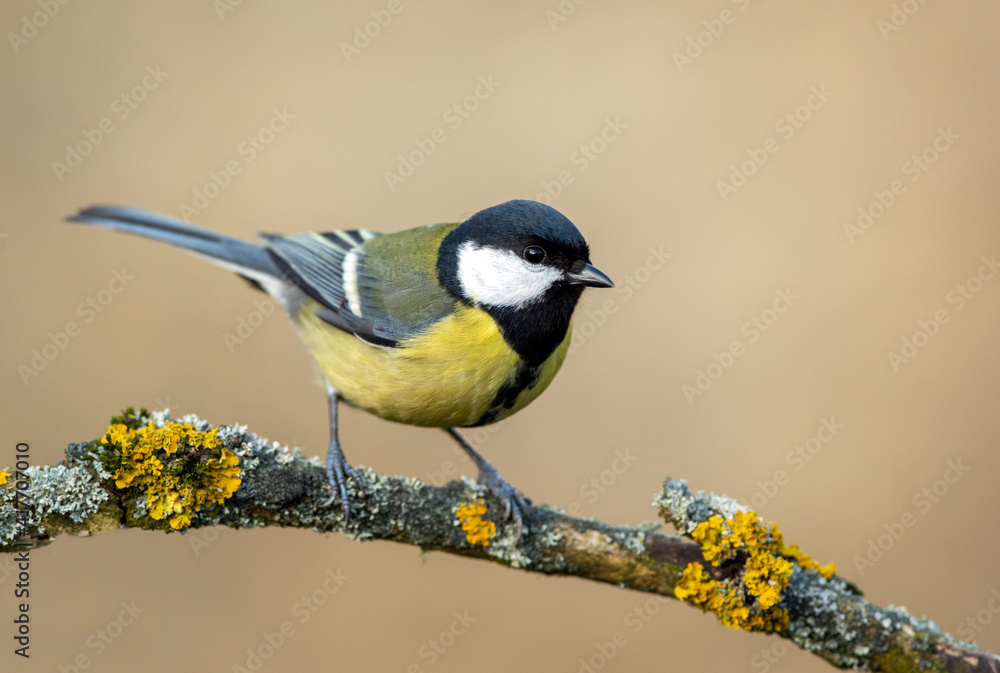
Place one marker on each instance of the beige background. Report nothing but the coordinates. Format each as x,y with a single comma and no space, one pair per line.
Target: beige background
160,341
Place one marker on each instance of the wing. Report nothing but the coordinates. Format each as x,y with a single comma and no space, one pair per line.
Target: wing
383,288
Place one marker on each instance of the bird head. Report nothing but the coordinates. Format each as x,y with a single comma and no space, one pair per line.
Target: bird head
517,254
524,263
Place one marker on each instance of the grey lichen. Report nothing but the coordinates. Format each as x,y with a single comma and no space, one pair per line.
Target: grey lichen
685,511
9,525
51,500
281,487
828,616
62,490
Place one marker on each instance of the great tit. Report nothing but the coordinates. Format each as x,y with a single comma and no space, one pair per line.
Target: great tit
447,325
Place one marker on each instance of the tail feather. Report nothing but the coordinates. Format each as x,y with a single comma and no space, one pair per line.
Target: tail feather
251,261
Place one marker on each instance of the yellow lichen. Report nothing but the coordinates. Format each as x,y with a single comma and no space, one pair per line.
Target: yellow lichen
723,600
766,576
3,477
747,530
750,600
709,535
805,561
477,530
721,539
180,521
180,469
732,611
695,586
772,621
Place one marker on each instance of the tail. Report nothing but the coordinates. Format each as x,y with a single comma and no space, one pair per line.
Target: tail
253,262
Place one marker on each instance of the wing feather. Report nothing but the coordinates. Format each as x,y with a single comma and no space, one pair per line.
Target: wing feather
382,299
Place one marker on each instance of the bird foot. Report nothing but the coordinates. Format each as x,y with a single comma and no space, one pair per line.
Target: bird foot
516,506
338,473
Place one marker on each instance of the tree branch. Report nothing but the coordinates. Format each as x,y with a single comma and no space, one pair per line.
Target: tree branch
279,487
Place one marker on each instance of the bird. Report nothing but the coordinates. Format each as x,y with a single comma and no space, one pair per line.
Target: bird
451,325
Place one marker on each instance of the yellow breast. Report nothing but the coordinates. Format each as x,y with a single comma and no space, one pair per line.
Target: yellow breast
447,376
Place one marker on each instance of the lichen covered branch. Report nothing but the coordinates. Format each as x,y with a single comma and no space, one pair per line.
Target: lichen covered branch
152,473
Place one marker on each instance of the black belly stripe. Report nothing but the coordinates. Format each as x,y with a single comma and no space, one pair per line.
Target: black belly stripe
506,397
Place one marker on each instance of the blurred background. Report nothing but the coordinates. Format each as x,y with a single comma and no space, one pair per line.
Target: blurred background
797,201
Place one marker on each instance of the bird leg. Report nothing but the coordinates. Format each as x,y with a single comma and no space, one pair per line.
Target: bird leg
515,505
337,469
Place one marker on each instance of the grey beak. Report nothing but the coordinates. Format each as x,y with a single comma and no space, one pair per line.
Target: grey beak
590,276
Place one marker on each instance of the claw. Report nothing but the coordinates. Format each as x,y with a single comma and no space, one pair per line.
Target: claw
515,505
338,471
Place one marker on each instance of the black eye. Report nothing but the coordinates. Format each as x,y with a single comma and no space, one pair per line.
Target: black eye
533,254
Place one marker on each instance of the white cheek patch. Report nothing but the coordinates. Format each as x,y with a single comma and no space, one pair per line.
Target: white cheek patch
501,278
